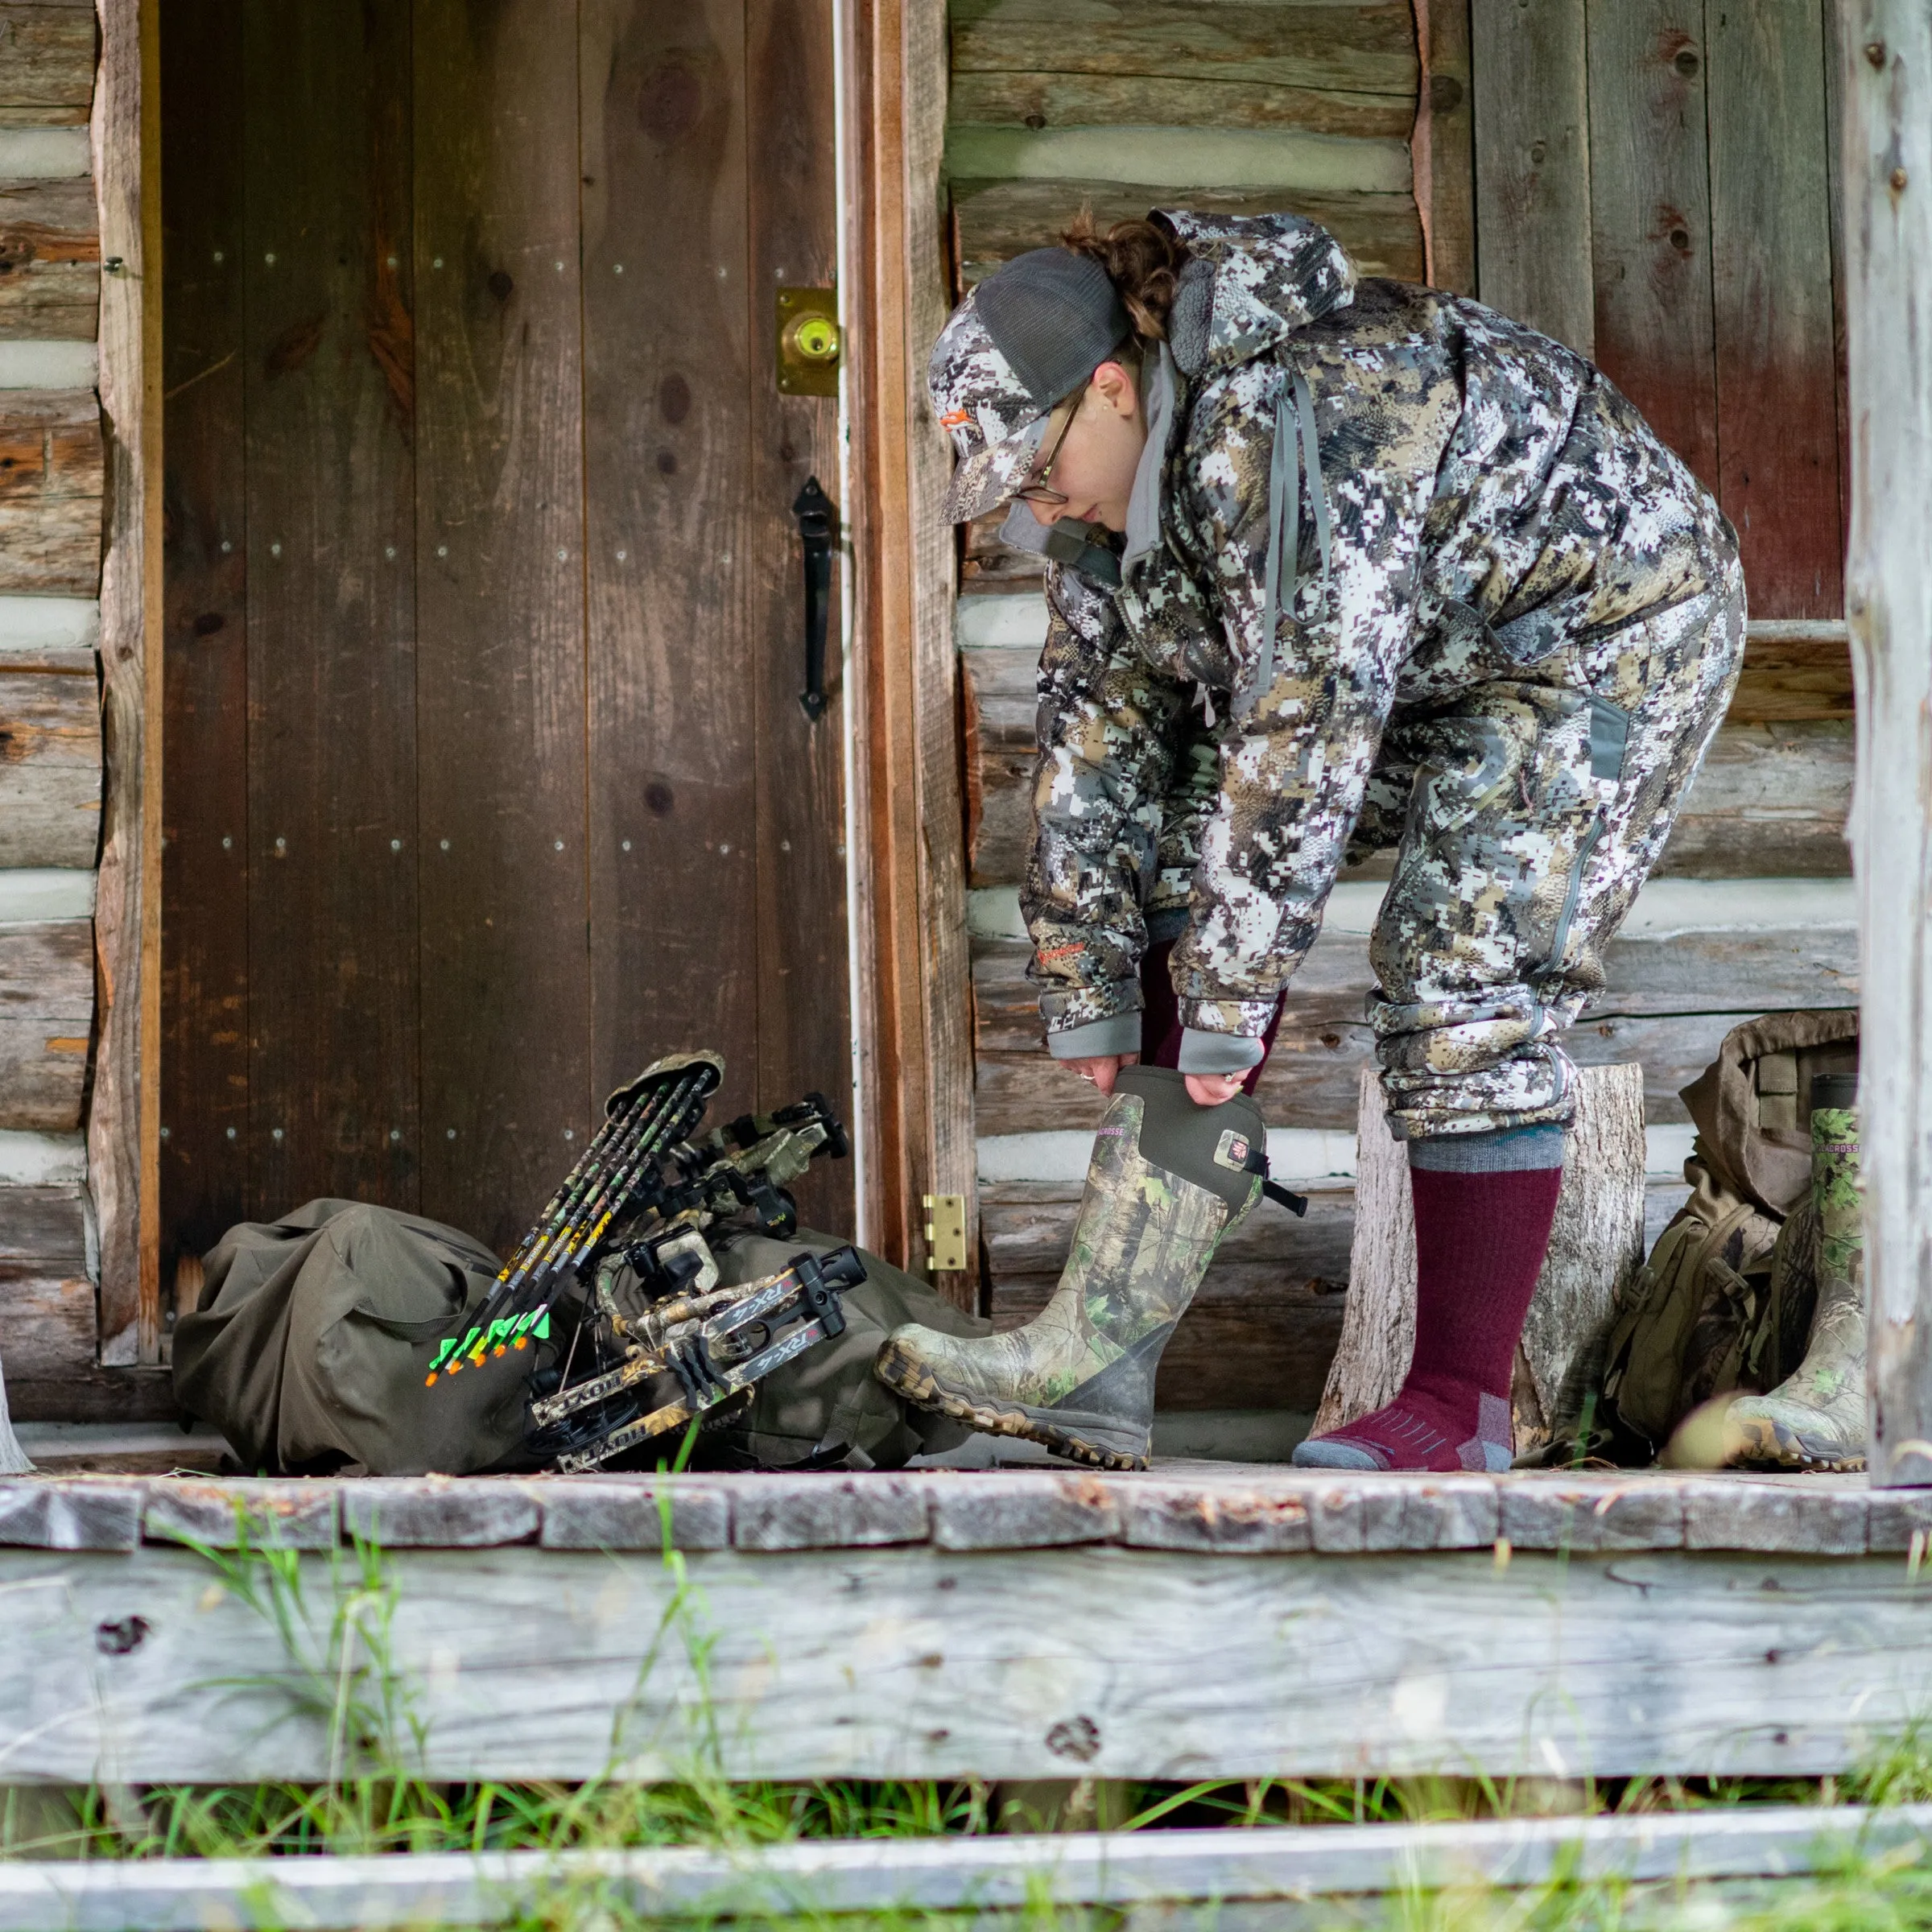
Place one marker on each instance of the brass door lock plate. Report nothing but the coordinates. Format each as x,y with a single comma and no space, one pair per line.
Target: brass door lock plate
810,341
945,1233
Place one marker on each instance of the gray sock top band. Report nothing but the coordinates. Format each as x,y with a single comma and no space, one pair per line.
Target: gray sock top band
1509,1150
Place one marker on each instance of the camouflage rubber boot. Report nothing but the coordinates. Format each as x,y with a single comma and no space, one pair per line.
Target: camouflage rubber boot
1815,1419
1168,1180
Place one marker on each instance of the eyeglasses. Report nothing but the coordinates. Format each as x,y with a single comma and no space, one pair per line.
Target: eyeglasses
1035,490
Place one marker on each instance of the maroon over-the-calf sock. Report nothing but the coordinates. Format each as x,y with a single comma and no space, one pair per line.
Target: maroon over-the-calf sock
1481,1230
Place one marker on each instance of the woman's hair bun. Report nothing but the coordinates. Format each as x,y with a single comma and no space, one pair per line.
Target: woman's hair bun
1143,260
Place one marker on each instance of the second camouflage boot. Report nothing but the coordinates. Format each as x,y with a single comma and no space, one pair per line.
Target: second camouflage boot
1815,1419
1167,1181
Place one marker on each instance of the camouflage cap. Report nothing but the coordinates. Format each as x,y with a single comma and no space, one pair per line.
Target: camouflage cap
1024,339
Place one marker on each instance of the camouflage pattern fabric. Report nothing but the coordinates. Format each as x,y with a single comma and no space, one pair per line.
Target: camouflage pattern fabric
1079,1376
1531,627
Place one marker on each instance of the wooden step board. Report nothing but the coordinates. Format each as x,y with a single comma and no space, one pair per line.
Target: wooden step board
1201,1620
1280,1878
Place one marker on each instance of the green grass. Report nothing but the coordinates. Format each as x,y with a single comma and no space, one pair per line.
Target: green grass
344,1680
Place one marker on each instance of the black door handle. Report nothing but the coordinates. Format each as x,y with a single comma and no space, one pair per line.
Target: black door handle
814,511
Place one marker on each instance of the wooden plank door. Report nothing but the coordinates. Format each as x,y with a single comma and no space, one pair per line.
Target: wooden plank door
716,833
486,778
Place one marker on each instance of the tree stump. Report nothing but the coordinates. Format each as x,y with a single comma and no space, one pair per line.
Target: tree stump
1595,1249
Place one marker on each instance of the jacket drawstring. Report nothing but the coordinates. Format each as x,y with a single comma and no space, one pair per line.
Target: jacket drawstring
1284,474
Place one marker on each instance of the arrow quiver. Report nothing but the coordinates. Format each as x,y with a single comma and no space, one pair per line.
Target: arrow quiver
617,1278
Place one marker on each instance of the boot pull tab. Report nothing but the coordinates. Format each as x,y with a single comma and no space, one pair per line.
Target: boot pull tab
1249,1156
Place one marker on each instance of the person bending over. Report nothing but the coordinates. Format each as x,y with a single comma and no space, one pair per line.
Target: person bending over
1333,565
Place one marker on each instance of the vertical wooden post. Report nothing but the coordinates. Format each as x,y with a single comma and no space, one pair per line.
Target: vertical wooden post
123,1128
912,1002
1885,57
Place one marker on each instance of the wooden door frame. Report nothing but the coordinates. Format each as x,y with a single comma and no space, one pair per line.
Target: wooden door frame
912,990
123,1126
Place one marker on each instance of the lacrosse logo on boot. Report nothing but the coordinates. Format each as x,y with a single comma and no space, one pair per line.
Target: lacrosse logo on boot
1234,1149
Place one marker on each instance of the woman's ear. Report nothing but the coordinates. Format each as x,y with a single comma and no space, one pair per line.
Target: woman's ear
1115,388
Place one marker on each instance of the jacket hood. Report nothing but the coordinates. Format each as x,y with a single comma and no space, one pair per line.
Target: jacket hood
1252,280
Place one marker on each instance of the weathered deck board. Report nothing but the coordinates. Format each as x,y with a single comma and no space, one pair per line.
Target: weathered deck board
950,1636
1631,1510
1277,1878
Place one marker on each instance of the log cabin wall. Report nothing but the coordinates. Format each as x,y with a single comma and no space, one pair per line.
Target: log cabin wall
70,655
1648,181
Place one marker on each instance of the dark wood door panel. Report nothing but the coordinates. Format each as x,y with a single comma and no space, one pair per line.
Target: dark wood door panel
672,528
205,1118
488,780
500,612
331,739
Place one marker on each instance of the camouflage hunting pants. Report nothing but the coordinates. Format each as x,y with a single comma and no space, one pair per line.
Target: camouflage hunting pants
1526,811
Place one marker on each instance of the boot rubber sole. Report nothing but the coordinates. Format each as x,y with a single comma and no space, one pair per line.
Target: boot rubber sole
907,1376
1760,1439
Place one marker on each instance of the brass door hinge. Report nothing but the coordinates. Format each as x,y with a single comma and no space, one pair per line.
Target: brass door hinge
945,1233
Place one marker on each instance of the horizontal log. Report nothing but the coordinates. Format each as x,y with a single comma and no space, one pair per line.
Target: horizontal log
1381,232
47,62
1311,1078
46,1324
84,1391
1058,100
42,1224
43,1074
1771,802
49,249
1287,161
1783,680
923,1661
47,1007
47,969
1365,48
50,445
50,766
51,544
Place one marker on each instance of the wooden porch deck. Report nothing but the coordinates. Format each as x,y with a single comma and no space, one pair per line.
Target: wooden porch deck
1199,1620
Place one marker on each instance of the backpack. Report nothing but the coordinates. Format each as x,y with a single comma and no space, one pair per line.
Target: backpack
308,1350
1723,1304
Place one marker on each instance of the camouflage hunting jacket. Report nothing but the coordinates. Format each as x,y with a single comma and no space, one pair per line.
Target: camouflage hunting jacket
1436,485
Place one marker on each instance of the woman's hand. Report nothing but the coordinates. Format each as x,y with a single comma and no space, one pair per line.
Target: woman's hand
1102,1070
1210,1089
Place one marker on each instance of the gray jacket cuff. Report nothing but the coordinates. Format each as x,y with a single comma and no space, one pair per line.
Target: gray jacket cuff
1118,1033
1217,1052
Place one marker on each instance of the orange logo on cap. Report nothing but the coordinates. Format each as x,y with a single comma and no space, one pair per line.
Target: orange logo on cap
954,418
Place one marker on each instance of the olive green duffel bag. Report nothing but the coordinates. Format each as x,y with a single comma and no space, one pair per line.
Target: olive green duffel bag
309,1351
